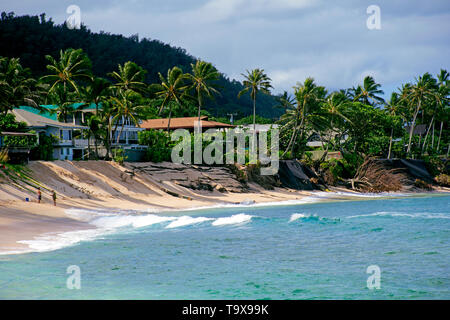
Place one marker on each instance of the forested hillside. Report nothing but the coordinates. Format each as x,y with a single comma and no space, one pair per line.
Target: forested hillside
30,38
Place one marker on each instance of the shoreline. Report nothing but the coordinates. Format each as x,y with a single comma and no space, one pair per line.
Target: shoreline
103,188
27,227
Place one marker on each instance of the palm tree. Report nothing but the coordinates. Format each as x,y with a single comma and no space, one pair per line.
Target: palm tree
417,95
443,92
94,123
332,107
96,93
171,90
306,96
286,101
66,73
17,87
203,76
392,109
255,80
369,90
129,77
125,107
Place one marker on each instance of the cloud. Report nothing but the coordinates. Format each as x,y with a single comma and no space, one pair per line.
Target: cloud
290,39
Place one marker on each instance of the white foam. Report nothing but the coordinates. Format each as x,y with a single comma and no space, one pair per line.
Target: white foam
423,215
234,219
185,221
50,242
297,216
136,221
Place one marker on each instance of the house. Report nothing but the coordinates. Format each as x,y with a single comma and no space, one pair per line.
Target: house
78,148
65,146
259,127
183,123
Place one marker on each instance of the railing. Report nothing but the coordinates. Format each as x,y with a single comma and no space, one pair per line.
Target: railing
63,142
83,143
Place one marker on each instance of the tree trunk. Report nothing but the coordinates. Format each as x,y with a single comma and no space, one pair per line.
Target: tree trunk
432,137
411,130
390,143
168,123
199,107
440,133
426,135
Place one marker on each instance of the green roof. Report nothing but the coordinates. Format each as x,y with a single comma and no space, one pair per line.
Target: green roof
53,116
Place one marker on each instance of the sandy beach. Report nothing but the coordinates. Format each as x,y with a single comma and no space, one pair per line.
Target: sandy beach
101,186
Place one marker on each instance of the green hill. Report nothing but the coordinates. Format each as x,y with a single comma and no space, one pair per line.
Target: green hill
30,38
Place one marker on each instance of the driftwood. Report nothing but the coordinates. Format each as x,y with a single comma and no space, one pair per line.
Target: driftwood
372,176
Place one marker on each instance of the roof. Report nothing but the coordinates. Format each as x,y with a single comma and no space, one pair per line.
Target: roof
260,127
418,129
182,123
50,107
19,134
38,121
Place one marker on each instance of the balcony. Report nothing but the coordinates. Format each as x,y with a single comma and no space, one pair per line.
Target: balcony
83,143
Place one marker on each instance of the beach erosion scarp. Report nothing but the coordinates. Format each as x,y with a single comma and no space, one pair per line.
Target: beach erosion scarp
108,186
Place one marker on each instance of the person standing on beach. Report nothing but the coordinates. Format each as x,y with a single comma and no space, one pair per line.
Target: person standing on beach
39,195
54,198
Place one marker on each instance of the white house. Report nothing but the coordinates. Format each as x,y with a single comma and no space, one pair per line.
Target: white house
65,147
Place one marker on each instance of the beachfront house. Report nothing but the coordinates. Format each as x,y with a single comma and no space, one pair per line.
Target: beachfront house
65,147
71,142
184,123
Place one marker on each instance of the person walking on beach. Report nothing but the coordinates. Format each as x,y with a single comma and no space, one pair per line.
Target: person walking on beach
54,197
39,195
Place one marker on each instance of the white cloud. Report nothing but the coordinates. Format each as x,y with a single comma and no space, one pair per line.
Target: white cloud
290,39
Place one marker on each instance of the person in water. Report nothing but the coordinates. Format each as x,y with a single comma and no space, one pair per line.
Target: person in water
39,195
54,198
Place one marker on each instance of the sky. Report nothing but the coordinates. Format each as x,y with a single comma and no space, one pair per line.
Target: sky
290,39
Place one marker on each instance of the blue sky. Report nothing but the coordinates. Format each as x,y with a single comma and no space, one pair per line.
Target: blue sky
289,39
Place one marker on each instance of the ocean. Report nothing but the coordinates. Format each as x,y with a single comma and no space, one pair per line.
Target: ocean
306,249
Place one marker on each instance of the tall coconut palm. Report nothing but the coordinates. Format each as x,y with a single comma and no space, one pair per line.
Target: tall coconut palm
285,101
333,110
125,107
417,95
255,81
392,108
171,90
306,96
96,93
203,76
17,87
130,76
443,92
370,90
66,74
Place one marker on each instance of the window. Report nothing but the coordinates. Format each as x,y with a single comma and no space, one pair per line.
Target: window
65,134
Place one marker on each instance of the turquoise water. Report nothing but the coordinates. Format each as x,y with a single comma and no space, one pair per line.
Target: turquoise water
303,251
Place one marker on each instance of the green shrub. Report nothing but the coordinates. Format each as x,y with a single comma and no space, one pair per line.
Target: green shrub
44,150
20,141
159,145
119,156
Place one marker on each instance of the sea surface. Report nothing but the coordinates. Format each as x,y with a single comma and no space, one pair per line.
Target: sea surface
309,249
